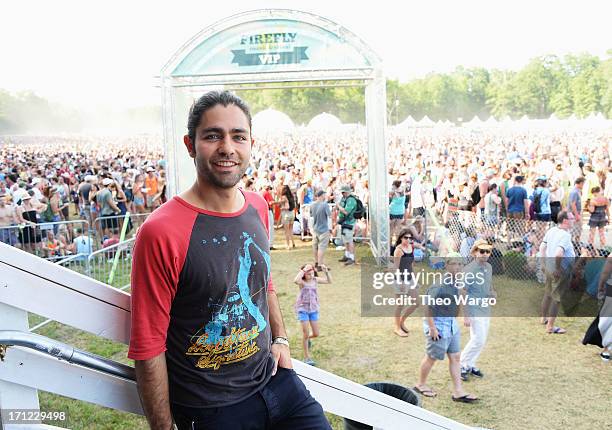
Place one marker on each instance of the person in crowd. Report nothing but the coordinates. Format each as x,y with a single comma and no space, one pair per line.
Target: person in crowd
307,305
152,188
81,245
443,335
8,221
287,204
26,213
541,200
477,317
558,254
492,206
405,283
108,207
267,195
574,206
320,214
51,246
397,209
346,221
599,209
518,203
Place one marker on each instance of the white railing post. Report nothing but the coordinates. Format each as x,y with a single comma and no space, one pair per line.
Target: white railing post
15,396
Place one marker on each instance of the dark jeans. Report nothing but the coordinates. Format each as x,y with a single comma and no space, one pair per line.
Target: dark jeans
284,403
543,217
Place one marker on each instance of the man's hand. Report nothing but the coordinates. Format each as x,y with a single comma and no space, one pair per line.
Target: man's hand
433,333
282,357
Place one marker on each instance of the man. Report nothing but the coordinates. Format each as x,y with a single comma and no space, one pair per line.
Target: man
208,337
518,203
8,219
108,207
574,206
477,318
558,253
542,211
320,214
442,333
152,187
346,221
81,245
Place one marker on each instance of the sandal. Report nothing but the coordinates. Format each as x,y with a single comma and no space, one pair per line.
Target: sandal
400,333
465,399
425,392
557,330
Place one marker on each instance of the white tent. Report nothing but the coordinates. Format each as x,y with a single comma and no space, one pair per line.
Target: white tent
491,122
448,124
407,123
506,122
271,120
474,122
325,121
426,122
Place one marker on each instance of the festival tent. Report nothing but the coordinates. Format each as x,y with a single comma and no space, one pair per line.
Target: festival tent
473,123
325,121
506,122
407,123
491,122
271,120
425,122
449,124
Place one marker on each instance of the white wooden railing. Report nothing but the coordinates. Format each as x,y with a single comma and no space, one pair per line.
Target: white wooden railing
30,284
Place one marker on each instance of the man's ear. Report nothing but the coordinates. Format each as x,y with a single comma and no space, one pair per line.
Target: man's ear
189,146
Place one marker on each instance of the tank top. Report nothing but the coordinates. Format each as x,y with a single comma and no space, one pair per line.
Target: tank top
406,261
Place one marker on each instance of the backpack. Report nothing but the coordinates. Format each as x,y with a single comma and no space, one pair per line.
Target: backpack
359,211
475,197
537,201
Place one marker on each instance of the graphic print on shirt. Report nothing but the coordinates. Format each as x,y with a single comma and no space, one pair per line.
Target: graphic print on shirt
238,315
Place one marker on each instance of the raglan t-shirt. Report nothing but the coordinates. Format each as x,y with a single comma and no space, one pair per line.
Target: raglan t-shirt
199,292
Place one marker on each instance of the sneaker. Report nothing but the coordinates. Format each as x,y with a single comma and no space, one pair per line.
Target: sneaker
339,248
476,372
605,356
465,373
343,259
349,262
310,362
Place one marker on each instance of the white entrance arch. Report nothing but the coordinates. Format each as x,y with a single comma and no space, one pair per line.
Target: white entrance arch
277,46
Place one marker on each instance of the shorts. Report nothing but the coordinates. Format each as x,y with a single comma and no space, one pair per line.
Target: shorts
396,216
308,316
110,223
402,287
8,235
347,235
556,288
598,223
320,241
150,201
516,215
287,217
436,349
139,201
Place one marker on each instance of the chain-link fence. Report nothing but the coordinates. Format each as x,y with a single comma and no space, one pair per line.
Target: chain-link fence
105,227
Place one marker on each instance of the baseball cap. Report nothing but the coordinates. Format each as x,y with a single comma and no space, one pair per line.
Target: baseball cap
150,169
320,193
345,189
107,181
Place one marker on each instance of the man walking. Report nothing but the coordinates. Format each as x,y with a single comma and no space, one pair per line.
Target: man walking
208,337
558,253
320,214
346,220
477,317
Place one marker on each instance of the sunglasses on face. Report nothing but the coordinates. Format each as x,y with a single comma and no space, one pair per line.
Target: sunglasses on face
484,251
407,237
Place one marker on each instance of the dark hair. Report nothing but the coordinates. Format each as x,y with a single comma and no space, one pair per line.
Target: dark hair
492,187
287,193
209,101
403,232
579,180
562,216
595,189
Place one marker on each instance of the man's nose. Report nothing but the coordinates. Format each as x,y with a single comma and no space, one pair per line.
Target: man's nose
226,146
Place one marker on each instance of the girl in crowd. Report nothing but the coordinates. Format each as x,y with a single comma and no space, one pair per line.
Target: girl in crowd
403,257
599,207
307,304
397,200
287,214
492,205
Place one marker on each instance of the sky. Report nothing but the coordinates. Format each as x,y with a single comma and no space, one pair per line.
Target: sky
106,53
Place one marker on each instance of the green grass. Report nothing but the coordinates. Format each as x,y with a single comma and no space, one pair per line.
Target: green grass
533,380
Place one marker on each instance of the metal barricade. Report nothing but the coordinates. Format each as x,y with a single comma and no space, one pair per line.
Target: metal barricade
103,226
35,239
113,264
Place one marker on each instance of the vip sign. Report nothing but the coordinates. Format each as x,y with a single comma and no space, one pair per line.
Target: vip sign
269,49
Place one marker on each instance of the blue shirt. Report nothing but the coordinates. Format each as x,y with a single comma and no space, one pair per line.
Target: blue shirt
544,193
516,198
397,205
478,286
444,316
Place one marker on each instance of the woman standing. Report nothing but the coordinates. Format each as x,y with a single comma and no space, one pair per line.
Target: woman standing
287,214
397,200
26,215
492,206
599,207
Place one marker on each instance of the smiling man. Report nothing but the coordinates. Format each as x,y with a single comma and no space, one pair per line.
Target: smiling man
207,331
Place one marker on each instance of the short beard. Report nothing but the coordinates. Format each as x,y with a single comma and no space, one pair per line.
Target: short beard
225,181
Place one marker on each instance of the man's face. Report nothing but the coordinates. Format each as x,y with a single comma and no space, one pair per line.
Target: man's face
222,146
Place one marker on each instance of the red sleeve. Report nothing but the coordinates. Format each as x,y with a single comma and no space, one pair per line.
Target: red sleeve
159,254
259,203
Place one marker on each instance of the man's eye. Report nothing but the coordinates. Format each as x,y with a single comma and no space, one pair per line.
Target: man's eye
241,138
212,137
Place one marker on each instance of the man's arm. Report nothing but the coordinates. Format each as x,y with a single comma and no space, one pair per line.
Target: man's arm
281,354
152,380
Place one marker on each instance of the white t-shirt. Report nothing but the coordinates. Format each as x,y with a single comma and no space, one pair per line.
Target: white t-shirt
558,238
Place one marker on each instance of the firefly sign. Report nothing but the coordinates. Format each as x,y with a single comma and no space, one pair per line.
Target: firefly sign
269,49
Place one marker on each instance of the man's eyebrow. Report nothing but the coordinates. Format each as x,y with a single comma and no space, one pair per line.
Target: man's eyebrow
221,130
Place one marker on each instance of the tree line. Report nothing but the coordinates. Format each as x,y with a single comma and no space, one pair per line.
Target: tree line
577,84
